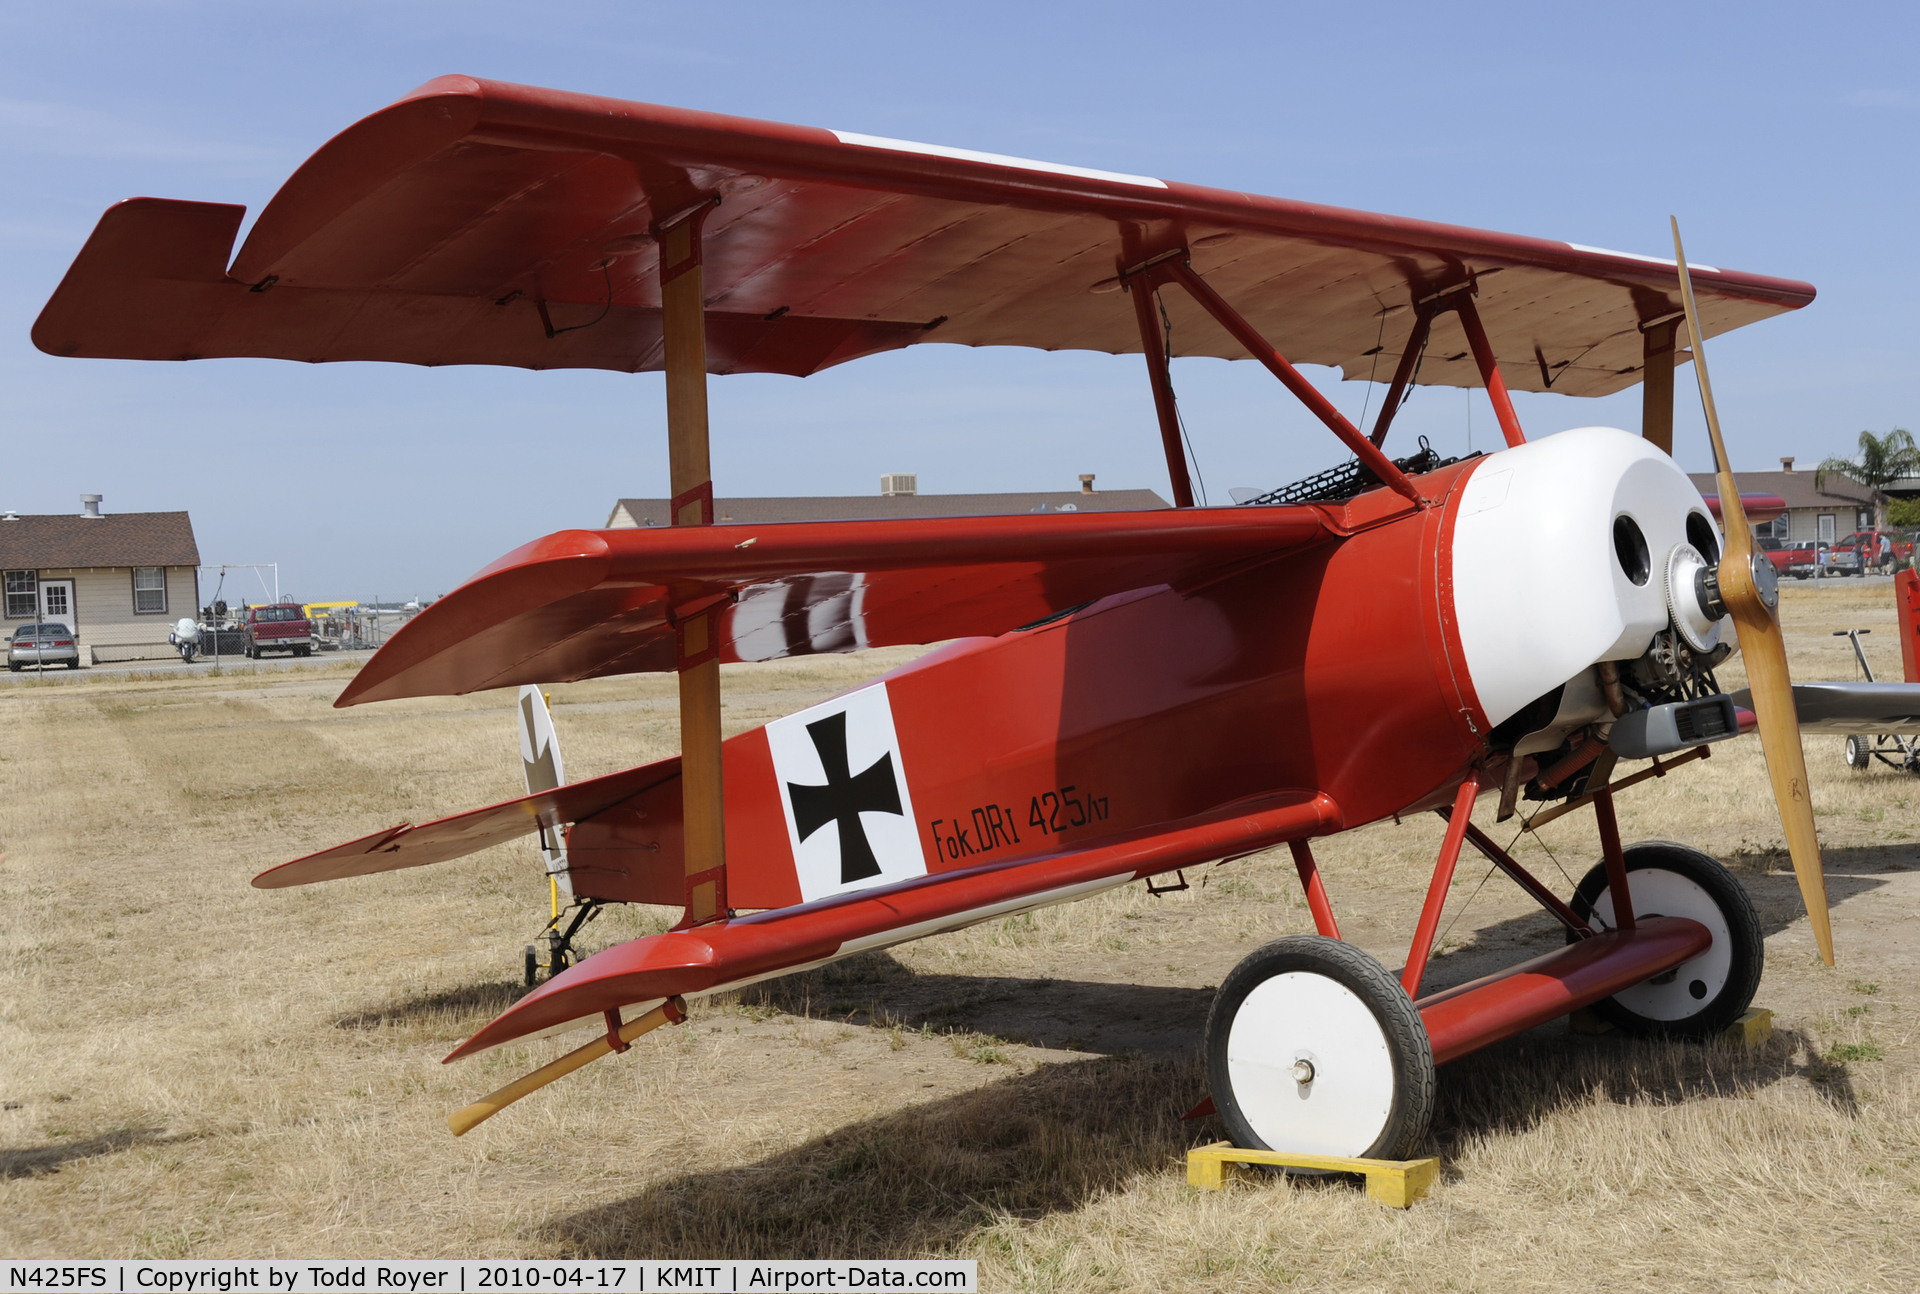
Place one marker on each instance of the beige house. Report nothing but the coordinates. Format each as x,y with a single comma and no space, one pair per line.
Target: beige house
1835,509
119,581
898,499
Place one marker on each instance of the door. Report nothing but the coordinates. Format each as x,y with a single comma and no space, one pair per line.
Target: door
56,602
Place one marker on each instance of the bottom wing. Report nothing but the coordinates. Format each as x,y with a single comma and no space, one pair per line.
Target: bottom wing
729,954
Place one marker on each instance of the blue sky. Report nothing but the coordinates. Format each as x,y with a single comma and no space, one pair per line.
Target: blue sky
1783,137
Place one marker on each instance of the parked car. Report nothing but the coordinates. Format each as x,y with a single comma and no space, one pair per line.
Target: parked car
281,627
43,644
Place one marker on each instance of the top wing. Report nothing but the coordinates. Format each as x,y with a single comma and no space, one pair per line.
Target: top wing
586,604
480,222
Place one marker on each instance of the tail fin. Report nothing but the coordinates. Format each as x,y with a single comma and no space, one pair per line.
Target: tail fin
540,759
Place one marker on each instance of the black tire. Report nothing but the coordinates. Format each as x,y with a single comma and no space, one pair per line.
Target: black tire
1396,1071
533,966
1723,988
13,666
74,663
1859,753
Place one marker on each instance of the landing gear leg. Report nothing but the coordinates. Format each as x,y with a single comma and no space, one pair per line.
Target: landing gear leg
560,950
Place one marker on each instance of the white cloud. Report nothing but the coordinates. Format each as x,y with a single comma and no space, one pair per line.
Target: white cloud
61,130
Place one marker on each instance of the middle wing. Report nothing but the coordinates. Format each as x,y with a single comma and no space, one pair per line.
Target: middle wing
588,604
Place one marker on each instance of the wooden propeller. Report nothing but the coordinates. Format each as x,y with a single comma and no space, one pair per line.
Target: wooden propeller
1749,587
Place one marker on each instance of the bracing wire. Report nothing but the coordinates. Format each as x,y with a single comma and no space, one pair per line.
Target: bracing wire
1491,868
1373,372
1166,323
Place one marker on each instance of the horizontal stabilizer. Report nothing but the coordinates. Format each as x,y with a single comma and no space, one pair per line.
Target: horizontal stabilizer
587,604
729,954
1864,708
468,833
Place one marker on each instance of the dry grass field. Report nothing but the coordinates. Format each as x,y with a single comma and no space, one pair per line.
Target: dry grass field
194,1068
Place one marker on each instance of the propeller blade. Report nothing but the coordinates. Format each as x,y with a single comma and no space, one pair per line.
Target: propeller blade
1752,595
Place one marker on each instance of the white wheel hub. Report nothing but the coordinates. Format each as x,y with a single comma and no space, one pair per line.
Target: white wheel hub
1687,988
1310,1067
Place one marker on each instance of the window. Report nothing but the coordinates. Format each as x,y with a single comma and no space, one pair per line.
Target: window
149,590
1780,527
23,595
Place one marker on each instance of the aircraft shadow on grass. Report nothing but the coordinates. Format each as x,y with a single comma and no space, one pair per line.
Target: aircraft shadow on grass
43,1161
457,1007
929,1177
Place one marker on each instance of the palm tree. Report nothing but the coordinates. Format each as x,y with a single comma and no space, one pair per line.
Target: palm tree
1882,460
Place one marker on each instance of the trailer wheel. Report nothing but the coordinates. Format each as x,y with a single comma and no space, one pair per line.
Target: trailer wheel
1859,753
1698,998
1313,1047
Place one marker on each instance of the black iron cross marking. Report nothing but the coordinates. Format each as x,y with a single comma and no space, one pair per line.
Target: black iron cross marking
845,797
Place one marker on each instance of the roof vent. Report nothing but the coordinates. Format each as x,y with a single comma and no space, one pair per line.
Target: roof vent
899,483
90,506
1786,463
11,515
1086,482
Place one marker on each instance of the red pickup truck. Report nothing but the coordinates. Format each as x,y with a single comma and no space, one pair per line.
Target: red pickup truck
1803,559
1796,559
282,627
1863,548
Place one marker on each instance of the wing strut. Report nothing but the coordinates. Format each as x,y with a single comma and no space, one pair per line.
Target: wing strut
1153,342
1144,279
1459,299
696,640
1656,395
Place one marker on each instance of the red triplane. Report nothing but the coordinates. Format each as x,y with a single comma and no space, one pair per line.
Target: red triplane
1126,694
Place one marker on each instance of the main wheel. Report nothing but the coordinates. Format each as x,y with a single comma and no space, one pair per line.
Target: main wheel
1697,998
1859,754
1313,1047
533,966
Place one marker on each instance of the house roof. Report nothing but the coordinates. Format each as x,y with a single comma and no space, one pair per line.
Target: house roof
117,539
1795,487
867,507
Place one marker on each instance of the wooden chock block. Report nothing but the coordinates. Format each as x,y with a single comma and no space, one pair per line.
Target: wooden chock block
1395,1182
1750,1030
